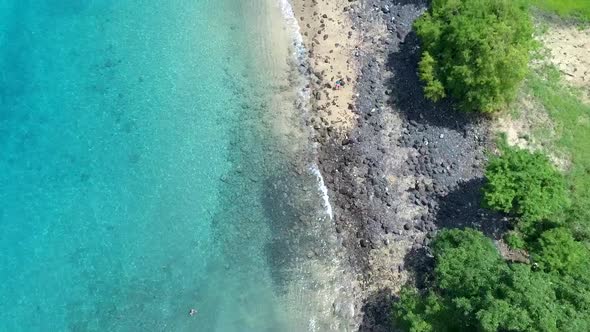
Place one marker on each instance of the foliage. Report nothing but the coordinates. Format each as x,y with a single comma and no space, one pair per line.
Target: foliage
571,118
420,314
475,51
524,301
468,268
557,250
467,262
434,89
524,183
495,295
514,240
573,294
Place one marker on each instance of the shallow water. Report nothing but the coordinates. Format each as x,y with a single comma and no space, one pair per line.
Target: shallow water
147,167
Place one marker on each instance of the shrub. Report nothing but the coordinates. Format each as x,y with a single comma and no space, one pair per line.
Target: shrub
557,250
577,217
467,262
524,301
473,289
476,51
416,313
434,89
573,294
524,183
514,240
468,268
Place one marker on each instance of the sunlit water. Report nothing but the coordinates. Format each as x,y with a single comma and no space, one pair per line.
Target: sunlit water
152,162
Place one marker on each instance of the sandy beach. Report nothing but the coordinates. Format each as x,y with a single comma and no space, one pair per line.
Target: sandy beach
330,40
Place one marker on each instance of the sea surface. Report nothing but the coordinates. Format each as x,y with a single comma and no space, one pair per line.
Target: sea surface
153,160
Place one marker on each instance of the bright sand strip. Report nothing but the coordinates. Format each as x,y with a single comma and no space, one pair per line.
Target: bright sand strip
327,33
569,47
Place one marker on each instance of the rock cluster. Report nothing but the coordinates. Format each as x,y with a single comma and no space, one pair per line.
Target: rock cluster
408,168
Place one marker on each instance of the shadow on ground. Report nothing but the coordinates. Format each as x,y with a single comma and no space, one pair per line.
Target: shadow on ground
419,262
462,208
407,95
377,312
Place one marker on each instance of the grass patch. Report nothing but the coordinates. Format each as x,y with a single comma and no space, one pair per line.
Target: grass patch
572,121
579,9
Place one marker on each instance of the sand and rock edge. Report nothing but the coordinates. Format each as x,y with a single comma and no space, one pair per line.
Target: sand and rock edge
397,166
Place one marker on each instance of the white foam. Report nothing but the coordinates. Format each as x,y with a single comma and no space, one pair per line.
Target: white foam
293,25
312,325
300,56
323,189
299,52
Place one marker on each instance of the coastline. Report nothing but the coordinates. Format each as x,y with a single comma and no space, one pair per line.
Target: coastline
396,166
329,42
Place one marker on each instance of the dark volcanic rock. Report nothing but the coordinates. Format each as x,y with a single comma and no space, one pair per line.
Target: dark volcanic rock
442,150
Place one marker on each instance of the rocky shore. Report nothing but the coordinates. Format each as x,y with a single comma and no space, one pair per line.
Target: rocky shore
405,167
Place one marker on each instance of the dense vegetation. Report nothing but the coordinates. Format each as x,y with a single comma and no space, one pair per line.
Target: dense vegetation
475,51
473,288
525,184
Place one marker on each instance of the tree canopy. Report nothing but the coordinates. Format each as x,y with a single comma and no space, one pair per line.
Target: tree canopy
524,183
467,262
475,51
473,289
557,250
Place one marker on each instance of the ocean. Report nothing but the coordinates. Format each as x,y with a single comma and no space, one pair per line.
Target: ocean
153,160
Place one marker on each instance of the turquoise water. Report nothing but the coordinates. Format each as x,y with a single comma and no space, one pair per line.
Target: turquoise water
135,168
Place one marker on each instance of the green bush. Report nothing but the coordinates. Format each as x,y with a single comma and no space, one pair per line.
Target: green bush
476,51
468,268
473,289
514,240
573,294
523,301
577,218
557,250
524,183
418,313
467,262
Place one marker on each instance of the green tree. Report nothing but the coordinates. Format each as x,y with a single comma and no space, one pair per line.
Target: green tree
523,301
417,313
514,240
473,289
476,51
433,89
557,250
524,183
468,269
573,294
467,263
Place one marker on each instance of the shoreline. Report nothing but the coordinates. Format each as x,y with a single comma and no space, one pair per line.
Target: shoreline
329,44
396,166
